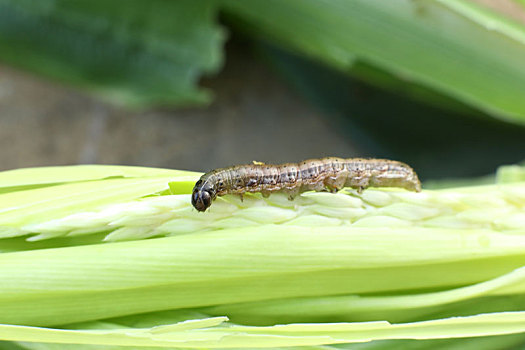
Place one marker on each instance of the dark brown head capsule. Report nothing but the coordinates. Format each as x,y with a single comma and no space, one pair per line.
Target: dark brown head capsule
203,195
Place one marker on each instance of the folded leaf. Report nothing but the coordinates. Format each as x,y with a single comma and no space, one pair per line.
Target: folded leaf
425,43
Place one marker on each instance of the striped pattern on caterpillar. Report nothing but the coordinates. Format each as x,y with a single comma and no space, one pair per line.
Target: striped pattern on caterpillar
325,174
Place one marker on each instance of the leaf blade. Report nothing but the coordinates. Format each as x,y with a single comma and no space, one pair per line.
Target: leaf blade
132,53
424,43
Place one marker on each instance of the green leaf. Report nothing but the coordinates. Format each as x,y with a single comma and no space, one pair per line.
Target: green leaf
210,333
514,341
488,18
417,260
394,308
30,196
57,201
132,52
73,284
421,42
31,178
510,174
127,210
153,319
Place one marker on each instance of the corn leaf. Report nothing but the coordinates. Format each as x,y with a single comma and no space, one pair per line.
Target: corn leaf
133,53
30,178
150,320
208,333
485,207
32,195
430,43
480,343
349,267
64,285
398,308
488,19
511,173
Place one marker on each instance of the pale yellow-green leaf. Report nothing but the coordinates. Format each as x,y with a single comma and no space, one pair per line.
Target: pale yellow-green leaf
209,333
63,285
385,254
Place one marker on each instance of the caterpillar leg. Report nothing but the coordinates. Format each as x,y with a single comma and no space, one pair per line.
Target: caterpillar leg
361,184
265,194
292,193
318,187
330,187
336,183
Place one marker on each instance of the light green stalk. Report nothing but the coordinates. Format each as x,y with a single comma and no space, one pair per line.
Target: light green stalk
74,251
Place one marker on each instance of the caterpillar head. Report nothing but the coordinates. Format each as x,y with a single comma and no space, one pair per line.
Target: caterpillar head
202,196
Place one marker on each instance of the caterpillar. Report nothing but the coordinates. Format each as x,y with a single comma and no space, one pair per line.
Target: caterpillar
325,174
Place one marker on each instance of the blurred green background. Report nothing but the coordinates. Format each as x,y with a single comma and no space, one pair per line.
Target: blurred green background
439,84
